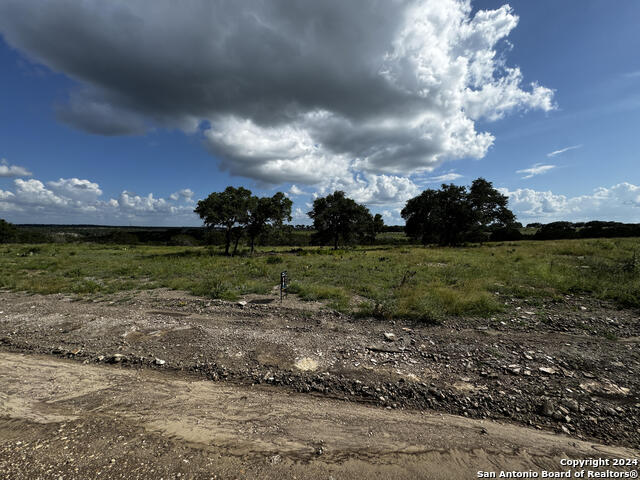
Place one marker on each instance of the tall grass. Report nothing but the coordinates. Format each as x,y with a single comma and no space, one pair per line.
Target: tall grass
388,281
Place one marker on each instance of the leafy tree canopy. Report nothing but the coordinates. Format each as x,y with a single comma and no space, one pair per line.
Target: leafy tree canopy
489,205
337,217
265,211
226,209
239,213
454,214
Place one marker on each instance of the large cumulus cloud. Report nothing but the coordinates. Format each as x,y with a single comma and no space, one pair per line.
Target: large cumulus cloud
286,91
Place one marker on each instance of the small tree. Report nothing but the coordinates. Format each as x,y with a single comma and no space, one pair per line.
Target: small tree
8,231
226,209
338,217
266,211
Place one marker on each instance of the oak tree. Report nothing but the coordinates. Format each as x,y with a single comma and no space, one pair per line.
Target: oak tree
337,217
228,209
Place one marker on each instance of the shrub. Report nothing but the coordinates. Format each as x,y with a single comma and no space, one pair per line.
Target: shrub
183,240
8,231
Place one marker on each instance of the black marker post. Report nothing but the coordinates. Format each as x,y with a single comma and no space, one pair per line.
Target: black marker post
283,284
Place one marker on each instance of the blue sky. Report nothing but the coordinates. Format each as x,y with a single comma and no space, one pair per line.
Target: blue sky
115,115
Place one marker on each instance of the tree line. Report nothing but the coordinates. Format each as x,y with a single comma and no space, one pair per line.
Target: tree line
336,218
450,215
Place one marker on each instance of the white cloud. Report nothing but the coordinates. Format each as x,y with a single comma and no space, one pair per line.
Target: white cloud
185,194
444,178
33,192
5,195
74,200
298,216
390,89
131,202
537,169
494,100
7,170
562,150
76,189
620,202
295,191
392,217
372,190
272,154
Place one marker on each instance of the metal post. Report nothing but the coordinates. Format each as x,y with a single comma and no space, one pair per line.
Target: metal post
283,284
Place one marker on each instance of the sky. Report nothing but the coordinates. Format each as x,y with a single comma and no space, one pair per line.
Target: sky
129,112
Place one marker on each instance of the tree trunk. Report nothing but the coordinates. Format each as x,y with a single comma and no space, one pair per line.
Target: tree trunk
335,242
252,244
235,247
227,242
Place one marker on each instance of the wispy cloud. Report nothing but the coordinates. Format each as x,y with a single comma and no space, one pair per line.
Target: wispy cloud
537,169
562,150
446,177
635,74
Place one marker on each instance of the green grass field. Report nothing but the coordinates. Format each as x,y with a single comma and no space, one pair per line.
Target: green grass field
387,281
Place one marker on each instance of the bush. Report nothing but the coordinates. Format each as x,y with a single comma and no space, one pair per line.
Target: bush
556,231
507,234
123,238
183,240
8,232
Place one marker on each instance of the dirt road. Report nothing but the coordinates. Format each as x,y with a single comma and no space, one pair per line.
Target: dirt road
125,389
551,365
64,419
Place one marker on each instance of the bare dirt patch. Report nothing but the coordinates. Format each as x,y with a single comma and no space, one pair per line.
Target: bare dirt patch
565,366
88,421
